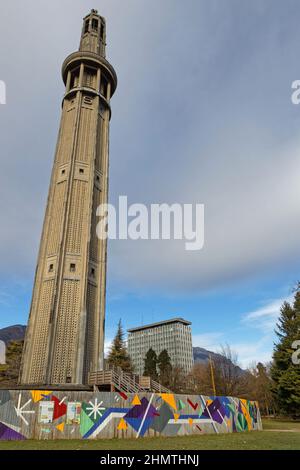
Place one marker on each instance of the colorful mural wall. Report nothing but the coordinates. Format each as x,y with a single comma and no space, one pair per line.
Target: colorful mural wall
85,415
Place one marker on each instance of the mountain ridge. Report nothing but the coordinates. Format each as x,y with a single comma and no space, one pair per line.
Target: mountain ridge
12,333
201,355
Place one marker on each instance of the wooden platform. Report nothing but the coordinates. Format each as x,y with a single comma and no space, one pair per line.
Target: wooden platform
111,380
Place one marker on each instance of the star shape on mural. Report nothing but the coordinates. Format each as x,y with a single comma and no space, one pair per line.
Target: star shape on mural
95,408
20,409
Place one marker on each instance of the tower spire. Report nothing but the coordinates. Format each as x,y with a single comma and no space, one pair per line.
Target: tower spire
93,37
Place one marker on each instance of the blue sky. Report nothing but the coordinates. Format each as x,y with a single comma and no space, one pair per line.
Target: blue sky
202,113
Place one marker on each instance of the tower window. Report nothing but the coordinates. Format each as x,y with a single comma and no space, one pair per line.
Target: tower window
74,78
90,77
81,170
72,267
86,26
51,268
95,24
63,172
102,31
93,272
104,85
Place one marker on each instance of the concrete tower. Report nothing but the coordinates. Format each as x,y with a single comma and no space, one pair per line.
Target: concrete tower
65,334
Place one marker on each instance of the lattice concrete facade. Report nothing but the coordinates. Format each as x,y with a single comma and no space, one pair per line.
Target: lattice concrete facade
65,334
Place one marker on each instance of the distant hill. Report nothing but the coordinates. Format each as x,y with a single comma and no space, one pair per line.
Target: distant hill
17,333
201,355
12,333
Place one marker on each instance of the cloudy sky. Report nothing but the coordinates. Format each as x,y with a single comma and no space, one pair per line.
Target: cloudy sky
202,114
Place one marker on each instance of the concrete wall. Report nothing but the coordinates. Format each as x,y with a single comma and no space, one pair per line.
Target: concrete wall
86,415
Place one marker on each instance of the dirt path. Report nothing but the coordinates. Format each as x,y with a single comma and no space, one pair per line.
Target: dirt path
282,430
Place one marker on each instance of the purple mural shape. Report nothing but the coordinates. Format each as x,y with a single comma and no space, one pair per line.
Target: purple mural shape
216,410
141,416
8,434
229,409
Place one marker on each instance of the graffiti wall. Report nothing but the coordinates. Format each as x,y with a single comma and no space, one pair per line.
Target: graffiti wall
85,415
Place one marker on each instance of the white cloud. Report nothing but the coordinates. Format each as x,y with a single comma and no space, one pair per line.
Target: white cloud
264,318
221,143
107,344
209,341
253,351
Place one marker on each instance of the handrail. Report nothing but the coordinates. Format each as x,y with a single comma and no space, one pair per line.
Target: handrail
124,381
157,387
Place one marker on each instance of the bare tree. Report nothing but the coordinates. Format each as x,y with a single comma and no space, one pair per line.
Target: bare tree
201,379
231,380
227,372
178,382
263,388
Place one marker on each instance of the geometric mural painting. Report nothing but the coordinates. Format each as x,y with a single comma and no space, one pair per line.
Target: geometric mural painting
9,434
86,415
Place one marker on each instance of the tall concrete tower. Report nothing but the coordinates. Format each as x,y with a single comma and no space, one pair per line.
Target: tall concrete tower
65,334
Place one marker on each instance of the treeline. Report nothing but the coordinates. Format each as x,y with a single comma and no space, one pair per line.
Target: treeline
275,385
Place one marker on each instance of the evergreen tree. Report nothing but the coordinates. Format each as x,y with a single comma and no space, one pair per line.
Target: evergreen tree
165,368
118,355
150,360
285,374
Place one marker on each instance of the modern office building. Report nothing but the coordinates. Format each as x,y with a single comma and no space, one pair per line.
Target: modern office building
65,334
173,335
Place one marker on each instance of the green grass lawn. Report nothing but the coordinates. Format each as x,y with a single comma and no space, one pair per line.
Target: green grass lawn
281,425
283,437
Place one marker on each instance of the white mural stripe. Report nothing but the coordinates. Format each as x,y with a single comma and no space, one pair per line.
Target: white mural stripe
186,421
212,421
106,422
145,415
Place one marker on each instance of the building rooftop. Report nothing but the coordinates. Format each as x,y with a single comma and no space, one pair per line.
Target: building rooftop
165,322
